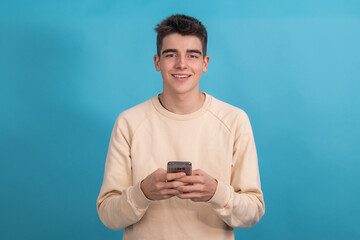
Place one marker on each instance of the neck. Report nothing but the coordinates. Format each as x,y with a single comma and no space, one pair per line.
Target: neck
183,103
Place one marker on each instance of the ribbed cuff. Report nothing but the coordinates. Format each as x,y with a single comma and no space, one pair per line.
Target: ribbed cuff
222,196
138,197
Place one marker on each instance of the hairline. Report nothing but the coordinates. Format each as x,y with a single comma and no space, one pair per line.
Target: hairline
194,35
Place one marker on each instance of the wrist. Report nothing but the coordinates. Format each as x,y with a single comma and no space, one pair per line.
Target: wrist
142,188
214,186
138,197
222,195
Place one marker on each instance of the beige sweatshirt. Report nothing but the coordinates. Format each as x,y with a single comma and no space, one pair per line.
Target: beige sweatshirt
217,139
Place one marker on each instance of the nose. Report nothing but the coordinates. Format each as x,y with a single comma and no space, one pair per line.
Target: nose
181,62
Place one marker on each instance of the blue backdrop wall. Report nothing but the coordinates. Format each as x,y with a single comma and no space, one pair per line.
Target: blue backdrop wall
68,68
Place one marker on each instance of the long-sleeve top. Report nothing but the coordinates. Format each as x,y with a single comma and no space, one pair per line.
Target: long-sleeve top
217,139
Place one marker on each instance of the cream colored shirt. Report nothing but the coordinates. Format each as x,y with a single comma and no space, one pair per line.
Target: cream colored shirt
217,139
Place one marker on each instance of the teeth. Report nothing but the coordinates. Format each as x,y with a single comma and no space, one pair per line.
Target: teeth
181,76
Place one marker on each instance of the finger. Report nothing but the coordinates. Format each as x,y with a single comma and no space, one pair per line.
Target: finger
191,188
173,176
174,184
197,172
169,191
192,179
166,197
198,199
192,195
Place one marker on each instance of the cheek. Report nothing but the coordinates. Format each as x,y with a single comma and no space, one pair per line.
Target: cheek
165,66
199,68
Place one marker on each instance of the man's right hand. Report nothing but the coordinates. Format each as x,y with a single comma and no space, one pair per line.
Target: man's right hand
157,185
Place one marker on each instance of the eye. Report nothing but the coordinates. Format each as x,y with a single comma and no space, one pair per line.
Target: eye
193,56
170,55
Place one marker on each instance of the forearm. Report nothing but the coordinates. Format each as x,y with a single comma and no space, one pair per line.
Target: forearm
240,201
119,210
238,210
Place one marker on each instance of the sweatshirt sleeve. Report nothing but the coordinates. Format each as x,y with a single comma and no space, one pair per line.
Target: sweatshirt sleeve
121,202
241,204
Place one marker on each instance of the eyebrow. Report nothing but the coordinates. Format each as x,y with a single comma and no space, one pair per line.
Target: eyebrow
168,50
194,51
175,50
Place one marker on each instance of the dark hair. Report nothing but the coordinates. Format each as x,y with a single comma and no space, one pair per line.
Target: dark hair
184,25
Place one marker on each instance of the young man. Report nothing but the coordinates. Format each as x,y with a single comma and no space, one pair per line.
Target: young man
181,124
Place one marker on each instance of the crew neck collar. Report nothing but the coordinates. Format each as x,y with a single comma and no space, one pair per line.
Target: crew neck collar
181,117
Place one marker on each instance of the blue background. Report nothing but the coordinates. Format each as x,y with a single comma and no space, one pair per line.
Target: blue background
68,68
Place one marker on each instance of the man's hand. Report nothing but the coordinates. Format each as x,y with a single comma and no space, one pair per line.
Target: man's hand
156,186
199,187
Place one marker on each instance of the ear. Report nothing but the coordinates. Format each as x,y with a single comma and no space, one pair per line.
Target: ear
206,63
157,62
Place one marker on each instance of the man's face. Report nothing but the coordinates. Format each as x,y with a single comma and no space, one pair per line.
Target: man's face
181,63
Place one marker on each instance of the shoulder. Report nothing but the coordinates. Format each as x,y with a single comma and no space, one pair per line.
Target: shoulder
133,117
233,118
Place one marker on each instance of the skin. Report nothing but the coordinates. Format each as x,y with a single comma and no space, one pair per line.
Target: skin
180,56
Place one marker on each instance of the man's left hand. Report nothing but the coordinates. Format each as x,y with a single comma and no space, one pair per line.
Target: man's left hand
200,186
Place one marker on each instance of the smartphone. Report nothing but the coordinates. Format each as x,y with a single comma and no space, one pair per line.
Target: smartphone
177,166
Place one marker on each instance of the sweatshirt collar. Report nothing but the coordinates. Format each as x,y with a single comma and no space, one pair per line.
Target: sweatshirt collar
181,117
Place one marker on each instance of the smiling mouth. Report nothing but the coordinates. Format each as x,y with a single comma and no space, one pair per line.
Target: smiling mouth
180,75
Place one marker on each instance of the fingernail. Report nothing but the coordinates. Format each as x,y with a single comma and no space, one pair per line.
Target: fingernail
182,174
